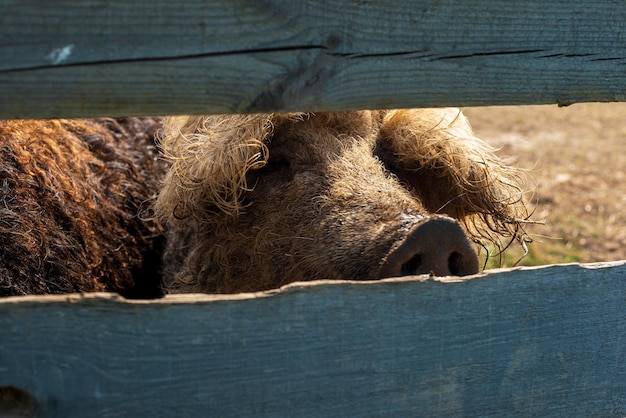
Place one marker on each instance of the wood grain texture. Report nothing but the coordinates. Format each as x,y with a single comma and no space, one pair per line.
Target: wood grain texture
119,57
525,342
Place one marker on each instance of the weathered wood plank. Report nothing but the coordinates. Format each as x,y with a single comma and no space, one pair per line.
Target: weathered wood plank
89,58
531,342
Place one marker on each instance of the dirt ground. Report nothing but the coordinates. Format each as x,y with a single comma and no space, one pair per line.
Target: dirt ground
575,155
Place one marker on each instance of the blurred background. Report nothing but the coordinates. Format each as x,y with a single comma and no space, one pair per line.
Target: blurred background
576,160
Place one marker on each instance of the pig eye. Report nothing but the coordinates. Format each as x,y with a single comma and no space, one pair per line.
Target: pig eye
277,160
275,165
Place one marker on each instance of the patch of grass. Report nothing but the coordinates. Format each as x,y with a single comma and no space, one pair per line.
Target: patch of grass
539,253
559,247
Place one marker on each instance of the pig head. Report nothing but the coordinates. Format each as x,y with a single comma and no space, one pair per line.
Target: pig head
253,202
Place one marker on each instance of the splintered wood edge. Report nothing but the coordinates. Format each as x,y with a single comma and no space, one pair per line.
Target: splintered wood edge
191,298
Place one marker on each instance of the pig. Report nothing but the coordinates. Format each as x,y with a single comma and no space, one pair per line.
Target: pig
72,194
253,202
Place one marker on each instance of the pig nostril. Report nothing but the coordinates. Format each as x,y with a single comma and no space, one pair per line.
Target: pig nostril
411,266
456,264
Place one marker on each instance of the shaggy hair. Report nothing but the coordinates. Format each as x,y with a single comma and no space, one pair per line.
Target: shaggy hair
227,228
473,185
71,192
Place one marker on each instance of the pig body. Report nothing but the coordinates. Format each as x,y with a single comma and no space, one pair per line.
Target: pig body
71,193
253,202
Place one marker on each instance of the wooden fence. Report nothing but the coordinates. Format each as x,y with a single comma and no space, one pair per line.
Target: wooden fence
547,341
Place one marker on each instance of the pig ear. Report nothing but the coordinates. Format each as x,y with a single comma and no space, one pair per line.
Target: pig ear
210,156
436,154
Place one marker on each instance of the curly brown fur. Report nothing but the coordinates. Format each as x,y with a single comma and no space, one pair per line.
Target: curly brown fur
435,152
71,192
256,201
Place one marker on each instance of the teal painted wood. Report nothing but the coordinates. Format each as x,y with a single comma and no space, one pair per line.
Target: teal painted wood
89,58
527,342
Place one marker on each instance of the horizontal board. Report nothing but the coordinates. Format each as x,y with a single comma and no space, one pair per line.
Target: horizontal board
119,57
528,341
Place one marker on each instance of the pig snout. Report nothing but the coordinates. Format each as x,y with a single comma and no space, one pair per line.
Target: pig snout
436,246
